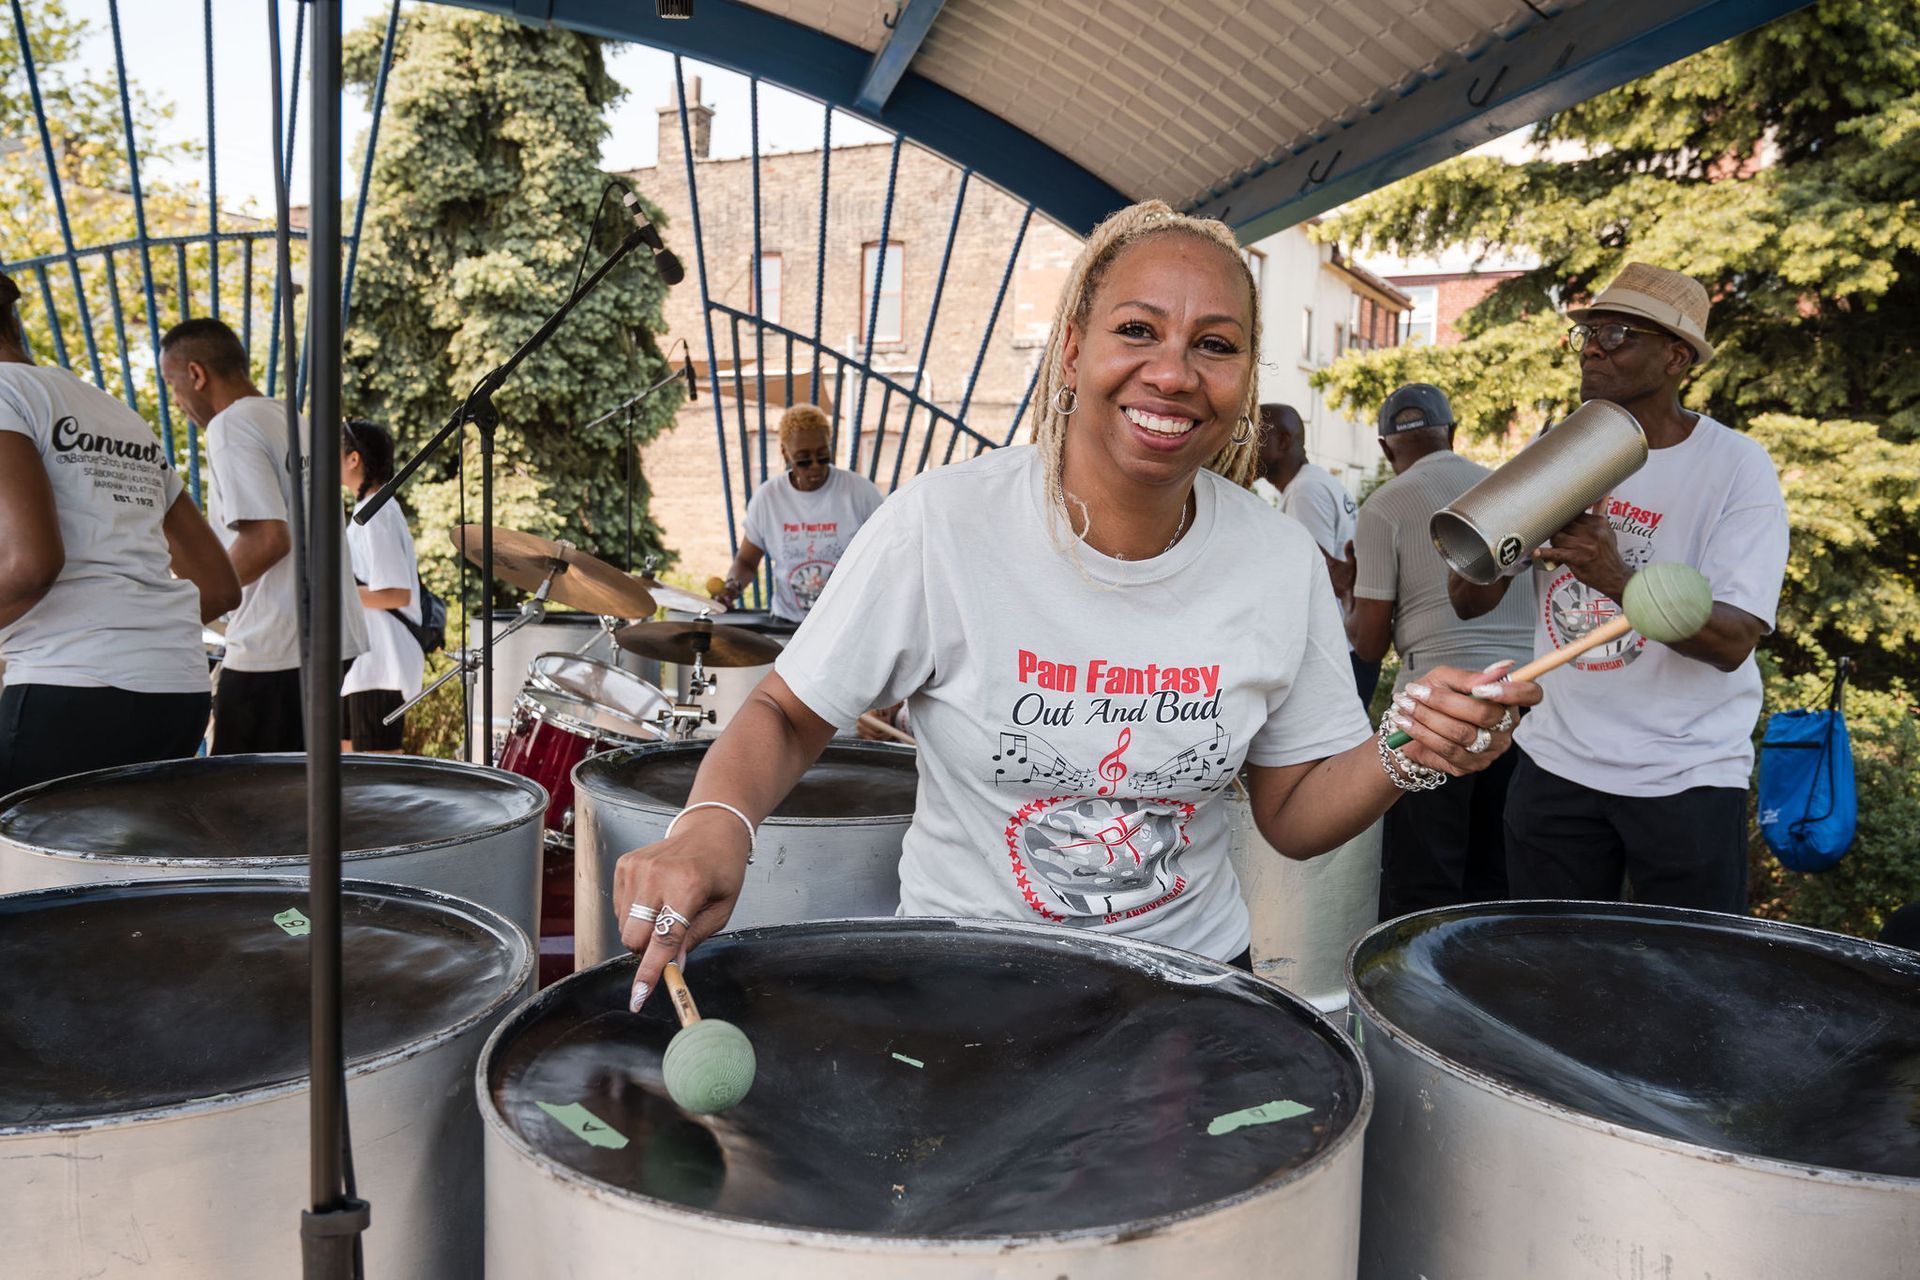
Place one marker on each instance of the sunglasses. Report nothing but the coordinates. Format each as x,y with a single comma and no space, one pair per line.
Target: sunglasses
811,460
1611,337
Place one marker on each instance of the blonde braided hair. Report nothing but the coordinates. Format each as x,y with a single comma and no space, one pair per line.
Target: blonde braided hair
1121,231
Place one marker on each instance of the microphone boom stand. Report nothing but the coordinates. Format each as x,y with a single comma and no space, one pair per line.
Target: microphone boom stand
478,409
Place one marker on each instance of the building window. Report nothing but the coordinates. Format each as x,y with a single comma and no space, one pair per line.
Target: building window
1306,335
766,298
1422,324
1257,265
1339,339
888,324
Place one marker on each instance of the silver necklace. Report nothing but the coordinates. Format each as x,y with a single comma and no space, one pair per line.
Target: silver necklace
1178,529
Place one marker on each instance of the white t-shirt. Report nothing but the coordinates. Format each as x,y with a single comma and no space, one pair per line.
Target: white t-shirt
805,534
383,560
1636,718
1076,736
1323,504
116,616
251,480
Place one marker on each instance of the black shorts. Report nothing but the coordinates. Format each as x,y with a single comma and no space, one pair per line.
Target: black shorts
361,714
260,711
51,731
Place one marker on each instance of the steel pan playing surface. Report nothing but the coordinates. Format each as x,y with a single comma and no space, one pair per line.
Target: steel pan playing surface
938,1079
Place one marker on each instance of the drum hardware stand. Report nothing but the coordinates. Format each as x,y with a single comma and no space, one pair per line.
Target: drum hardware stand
688,716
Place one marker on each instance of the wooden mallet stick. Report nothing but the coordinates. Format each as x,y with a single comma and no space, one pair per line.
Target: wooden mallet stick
881,727
709,1064
1664,602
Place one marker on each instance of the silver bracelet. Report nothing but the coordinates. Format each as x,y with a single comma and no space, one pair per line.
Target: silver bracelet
1402,772
752,834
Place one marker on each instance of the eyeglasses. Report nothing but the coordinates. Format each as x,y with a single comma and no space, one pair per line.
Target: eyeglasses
811,460
1611,337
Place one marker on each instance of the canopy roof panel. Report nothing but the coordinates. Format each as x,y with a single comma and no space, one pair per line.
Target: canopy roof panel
1258,112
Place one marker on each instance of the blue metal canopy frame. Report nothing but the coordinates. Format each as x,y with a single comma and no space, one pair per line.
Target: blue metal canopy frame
739,37
1556,61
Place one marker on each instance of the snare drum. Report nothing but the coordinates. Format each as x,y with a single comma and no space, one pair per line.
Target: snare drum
601,684
552,732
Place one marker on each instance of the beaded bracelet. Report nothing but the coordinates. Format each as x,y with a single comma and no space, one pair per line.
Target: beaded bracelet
1402,772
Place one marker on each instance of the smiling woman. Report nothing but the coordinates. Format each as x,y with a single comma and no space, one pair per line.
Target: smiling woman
1084,669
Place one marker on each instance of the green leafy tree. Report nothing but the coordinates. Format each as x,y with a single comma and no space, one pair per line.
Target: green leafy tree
1782,169
485,179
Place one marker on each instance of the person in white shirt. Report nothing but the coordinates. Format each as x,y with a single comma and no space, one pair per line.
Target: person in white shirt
107,571
1638,762
383,678
257,704
1085,668
803,521
1310,495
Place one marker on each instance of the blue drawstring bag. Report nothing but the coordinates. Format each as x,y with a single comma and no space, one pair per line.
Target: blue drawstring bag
1807,803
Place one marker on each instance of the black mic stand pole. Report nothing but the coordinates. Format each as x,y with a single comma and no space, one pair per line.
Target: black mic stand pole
478,409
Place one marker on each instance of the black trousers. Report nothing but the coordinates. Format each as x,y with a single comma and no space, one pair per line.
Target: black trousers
1366,677
1446,847
1568,841
258,711
51,730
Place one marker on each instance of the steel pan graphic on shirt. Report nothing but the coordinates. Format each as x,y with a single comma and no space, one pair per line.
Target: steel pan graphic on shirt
1571,609
808,579
1090,858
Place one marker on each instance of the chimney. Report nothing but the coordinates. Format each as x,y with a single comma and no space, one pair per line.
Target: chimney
699,125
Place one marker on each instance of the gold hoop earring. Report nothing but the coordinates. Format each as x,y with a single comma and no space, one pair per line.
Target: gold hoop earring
1071,402
1243,432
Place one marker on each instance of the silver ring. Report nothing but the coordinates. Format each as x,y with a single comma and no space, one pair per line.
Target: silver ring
1481,740
669,921
645,915
1506,721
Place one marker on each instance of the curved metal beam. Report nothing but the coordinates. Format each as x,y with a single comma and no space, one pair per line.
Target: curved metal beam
727,33
1557,61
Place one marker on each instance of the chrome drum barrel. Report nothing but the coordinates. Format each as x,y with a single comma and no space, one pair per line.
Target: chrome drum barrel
153,1086
1572,1089
461,829
934,1098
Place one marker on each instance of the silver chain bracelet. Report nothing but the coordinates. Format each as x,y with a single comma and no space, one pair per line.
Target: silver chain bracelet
1402,772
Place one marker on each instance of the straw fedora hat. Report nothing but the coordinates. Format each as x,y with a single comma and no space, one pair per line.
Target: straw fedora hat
1675,302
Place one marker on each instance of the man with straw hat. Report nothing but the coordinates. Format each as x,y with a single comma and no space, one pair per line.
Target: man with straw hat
1637,762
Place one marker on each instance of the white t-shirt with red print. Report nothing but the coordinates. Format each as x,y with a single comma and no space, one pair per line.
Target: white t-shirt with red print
1636,718
805,534
1079,726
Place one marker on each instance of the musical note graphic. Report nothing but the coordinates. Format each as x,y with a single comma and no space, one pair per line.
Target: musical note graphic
1026,758
1204,763
1112,768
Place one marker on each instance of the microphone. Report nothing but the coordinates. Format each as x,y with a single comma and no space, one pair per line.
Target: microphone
663,260
693,387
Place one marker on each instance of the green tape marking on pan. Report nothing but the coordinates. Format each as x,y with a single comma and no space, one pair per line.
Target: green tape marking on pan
1265,1113
585,1125
915,1063
296,925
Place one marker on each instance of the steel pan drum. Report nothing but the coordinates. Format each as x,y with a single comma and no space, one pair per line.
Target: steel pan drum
460,829
933,1098
1576,1090
153,1091
1305,915
831,850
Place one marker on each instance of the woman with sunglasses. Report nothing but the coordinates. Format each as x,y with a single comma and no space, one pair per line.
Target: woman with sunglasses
802,521
384,566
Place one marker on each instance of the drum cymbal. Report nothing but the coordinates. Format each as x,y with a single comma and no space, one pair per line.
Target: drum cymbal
684,601
586,582
678,642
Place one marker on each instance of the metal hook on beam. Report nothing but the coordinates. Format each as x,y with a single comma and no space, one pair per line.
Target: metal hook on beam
1322,170
1492,86
890,20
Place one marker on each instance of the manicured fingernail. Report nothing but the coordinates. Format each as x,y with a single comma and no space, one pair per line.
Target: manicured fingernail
640,990
1485,690
1401,722
1418,690
1403,702
1499,668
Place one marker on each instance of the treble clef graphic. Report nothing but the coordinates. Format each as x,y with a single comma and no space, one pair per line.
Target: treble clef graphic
1112,768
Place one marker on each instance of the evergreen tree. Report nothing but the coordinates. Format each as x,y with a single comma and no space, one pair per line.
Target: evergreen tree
485,179
1781,169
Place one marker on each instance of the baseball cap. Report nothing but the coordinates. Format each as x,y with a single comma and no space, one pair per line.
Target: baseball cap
1430,400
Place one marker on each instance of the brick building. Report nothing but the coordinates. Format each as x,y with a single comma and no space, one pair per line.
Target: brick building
1440,297
683,466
